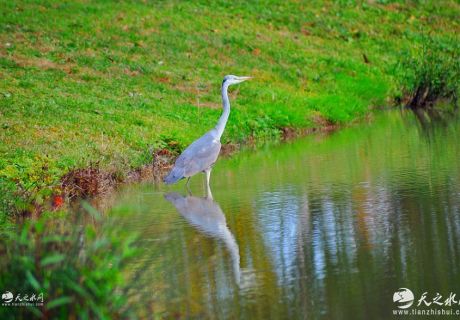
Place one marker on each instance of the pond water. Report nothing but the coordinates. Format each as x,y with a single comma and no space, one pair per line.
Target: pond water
330,225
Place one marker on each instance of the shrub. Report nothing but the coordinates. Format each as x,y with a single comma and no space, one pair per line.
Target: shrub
76,261
430,72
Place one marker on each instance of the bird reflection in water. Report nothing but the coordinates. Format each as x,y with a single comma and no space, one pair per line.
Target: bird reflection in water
206,215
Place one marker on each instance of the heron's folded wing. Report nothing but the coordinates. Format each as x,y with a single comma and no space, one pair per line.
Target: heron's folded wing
200,155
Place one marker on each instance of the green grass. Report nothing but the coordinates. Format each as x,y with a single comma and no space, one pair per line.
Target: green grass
86,82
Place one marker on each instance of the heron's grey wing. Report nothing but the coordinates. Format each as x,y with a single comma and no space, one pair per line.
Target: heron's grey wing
199,156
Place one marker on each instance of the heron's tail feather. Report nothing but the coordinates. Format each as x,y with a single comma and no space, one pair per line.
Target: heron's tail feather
175,175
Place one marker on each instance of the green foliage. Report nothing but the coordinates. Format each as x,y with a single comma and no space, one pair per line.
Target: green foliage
430,71
35,180
75,261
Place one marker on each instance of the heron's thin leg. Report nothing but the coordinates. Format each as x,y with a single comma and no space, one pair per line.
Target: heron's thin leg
208,186
187,187
208,176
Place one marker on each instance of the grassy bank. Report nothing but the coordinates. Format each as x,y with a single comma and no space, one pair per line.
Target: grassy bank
102,83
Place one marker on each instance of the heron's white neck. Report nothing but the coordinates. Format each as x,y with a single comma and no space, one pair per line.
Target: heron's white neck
220,127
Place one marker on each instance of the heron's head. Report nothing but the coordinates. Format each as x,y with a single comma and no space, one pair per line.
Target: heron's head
231,79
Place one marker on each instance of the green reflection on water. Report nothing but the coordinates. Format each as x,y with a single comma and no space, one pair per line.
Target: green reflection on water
323,226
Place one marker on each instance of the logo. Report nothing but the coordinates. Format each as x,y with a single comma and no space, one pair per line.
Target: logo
404,298
21,299
7,297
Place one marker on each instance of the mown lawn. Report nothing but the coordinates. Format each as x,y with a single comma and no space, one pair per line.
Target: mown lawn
105,83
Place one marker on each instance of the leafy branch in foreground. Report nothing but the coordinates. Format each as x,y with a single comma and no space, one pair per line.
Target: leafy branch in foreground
78,262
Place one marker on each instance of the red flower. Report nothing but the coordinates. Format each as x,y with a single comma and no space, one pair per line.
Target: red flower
58,201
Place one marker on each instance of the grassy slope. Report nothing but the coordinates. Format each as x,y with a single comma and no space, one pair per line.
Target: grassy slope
84,82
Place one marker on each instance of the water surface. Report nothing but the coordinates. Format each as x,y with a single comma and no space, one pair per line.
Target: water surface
326,226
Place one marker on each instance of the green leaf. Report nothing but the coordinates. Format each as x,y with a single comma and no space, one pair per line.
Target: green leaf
58,302
55,238
36,312
39,227
32,280
78,288
92,211
24,234
52,259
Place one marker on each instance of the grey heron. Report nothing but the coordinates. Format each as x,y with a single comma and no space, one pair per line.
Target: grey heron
203,153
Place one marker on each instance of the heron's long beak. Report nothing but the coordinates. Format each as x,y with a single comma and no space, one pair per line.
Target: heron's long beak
244,78
241,79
